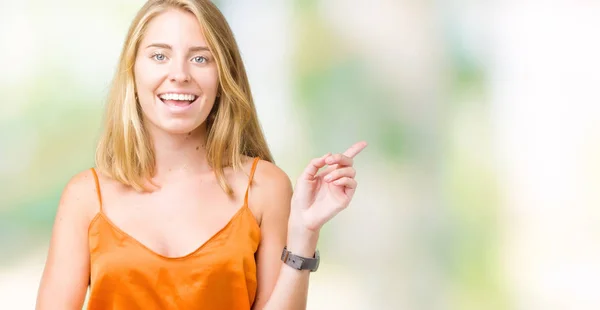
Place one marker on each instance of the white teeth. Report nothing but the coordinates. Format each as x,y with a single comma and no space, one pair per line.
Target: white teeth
182,97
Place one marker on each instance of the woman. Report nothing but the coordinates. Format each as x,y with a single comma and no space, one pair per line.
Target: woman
158,223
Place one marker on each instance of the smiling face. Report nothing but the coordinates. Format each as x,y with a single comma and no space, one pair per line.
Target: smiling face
176,76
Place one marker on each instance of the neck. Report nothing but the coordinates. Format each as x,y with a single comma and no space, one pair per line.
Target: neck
179,153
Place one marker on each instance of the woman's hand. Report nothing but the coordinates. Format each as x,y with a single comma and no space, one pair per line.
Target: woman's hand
320,195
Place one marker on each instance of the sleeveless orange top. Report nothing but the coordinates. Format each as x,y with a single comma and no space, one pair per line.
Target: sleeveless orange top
220,274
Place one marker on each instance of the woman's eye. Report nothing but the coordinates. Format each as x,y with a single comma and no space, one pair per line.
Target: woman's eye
159,57
200,59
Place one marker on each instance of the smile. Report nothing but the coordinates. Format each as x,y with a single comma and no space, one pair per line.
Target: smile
178,101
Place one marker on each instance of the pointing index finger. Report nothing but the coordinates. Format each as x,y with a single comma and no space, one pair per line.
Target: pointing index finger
355,149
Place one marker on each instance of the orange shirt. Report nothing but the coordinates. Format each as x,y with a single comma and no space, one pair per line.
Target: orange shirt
220,274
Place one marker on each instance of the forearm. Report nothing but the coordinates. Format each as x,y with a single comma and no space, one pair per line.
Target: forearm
291,290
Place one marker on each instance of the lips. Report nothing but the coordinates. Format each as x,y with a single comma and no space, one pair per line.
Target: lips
178,100
177,103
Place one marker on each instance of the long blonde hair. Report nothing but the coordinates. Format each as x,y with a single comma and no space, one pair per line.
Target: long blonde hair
125,151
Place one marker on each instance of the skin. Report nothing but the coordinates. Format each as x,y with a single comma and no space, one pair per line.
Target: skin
173,57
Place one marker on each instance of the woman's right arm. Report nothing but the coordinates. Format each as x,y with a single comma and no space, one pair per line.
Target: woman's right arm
66,274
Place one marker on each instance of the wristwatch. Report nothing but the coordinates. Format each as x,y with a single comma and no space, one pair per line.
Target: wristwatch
299,262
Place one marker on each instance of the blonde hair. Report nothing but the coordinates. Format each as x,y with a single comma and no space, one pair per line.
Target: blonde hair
125,151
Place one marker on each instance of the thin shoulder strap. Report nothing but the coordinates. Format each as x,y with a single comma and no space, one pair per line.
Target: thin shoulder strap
97,187
250,179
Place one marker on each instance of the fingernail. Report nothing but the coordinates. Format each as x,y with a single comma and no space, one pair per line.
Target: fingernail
329,160
328,178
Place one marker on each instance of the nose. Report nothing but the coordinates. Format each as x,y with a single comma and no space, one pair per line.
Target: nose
179,72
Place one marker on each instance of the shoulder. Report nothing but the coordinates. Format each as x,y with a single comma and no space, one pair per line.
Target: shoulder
271,189
268,177
79,197
265,173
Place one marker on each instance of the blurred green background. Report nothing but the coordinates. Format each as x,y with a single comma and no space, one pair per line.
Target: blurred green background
478,189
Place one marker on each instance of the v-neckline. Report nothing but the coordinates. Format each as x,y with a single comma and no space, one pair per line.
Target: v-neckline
116,228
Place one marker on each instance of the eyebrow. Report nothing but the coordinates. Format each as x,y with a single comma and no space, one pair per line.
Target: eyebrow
167,46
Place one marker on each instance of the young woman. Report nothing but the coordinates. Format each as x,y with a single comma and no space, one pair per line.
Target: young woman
185,208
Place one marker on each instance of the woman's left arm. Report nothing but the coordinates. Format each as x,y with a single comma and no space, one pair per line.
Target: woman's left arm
295,221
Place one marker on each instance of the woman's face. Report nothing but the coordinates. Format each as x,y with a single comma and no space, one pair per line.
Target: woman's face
176,76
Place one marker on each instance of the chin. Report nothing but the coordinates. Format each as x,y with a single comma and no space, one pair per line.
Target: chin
176,120
179,127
